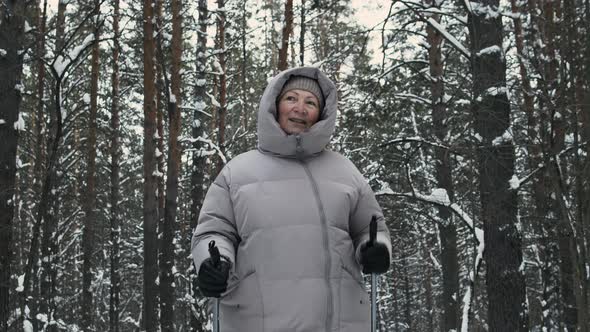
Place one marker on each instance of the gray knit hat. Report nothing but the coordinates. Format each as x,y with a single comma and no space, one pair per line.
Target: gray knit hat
304,83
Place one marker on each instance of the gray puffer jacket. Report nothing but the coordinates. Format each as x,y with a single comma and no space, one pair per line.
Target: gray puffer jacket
290,217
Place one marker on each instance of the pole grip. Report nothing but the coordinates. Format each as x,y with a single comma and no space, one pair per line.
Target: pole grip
214,252
373,231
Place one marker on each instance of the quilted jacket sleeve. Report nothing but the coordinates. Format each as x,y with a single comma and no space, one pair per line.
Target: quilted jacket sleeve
216,222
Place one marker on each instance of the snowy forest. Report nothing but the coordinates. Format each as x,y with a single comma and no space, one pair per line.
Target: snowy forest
470,119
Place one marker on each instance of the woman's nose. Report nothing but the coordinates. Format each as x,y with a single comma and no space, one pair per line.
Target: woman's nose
300,107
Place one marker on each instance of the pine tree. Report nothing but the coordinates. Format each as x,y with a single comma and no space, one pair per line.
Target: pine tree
12,39
491,110
150,206
115,195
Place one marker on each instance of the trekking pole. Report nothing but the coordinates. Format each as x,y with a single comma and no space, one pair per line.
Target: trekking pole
216,258
372,237
373,302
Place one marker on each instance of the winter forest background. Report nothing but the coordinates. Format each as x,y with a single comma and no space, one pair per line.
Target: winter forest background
471,119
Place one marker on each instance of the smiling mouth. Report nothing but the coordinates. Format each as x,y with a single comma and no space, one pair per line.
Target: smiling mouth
298,121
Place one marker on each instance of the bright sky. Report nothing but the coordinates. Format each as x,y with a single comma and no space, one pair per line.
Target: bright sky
368,13
53,3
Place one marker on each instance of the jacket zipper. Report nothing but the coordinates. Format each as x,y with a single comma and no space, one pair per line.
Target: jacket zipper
324,224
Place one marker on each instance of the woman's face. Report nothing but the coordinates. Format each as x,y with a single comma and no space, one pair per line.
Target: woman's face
298,111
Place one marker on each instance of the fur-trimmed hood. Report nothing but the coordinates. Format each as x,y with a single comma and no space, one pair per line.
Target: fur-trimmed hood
273,140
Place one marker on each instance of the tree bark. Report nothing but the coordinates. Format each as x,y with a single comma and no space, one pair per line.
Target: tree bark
244,72
287,30
582,116
447,228
12,22
491,110
39,121
553,143
430,306
39,128
150,203
89,233
545,221
198,160
115,226
44,217
407,295
162,87
161,95
302,35
270,35
570,47
221,110
173,172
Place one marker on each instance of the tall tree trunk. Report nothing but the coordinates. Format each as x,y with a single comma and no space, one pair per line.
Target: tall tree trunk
554,143
537,122
270,35
395,307
115,226
524,75
407,294
584,120
161,93
553,94
302,35
12,22
430,305
540,223
89,233
198,160
39,125
491,110
447,228
570,47
44,217
582,116
221,110
49,252
173,172
150,203
287,30
244,72
39,121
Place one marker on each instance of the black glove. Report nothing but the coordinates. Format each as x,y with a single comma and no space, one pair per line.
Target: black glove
374,258
213,279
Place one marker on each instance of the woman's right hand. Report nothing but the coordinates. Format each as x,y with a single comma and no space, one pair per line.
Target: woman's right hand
212,278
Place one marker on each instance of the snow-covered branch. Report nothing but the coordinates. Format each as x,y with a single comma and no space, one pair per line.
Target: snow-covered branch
450,38
209,142
198,109
398,65
440,29
439,197
62,63
515,183
413,97
415,139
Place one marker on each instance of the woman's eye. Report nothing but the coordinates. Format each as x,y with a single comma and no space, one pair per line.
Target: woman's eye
290,98
312,103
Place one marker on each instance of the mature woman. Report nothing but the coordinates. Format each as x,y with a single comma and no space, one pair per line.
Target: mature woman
291,221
